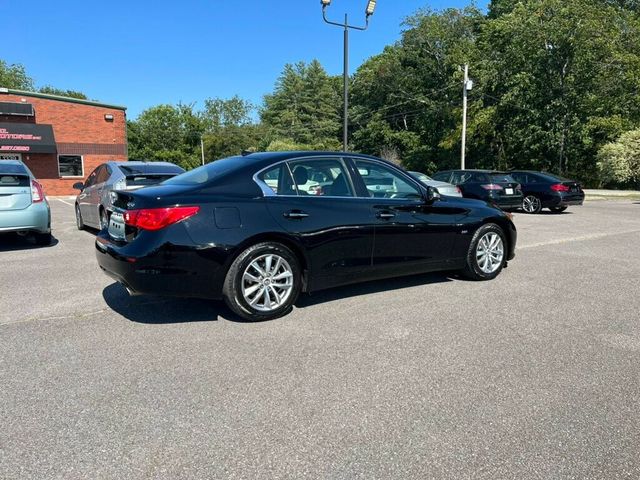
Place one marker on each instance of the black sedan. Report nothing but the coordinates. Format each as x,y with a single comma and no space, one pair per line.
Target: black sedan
497,188
248,229
545,190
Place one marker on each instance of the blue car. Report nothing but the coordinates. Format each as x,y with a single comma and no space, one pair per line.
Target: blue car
24,209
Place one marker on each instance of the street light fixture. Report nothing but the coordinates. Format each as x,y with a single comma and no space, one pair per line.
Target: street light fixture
371,6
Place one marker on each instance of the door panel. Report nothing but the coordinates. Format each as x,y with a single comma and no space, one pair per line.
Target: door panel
337,234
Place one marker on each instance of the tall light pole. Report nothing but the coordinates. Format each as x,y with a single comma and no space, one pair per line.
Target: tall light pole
466,86
371,6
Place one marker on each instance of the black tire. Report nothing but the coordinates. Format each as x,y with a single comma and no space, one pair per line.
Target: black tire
79,222
233,286
531,204
472,268
557,209
43,239
104,219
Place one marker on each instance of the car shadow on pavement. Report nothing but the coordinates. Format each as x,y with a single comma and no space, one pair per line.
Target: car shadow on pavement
375,286
12,242
157,310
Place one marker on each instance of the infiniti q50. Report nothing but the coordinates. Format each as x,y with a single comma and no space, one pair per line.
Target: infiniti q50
248,230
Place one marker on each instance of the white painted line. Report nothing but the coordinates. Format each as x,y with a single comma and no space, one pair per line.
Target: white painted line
593,236
60,200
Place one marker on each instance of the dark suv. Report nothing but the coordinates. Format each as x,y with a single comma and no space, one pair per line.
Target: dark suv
497,188
545,190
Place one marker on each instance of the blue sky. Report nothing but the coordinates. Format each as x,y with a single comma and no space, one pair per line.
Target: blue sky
140,53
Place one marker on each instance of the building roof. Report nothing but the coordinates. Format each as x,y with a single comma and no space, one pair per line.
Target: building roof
59,98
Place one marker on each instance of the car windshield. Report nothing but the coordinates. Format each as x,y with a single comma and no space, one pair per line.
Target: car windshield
205,173
502,178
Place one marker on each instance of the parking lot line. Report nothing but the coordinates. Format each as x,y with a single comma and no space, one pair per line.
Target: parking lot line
67,203
581,238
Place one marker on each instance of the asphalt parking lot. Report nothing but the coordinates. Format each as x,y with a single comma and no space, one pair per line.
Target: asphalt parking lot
533,375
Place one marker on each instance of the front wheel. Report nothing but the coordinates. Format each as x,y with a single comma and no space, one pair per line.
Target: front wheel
263,282
557,209
486,256
79,221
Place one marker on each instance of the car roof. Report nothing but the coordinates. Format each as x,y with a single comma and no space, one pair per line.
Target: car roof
11,162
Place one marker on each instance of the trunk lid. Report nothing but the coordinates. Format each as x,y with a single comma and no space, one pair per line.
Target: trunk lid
15,192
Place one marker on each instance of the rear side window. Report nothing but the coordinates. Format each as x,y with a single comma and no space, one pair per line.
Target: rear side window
7,180
278,180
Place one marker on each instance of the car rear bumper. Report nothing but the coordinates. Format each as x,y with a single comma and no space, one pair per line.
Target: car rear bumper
565,200
164,270
508,203
34,218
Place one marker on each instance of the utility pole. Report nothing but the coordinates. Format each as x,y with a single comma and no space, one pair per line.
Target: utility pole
371,5
202,149
465,87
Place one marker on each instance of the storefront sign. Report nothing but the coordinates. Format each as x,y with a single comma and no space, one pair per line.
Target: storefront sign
27,138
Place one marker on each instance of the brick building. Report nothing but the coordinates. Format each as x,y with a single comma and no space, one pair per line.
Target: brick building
60,139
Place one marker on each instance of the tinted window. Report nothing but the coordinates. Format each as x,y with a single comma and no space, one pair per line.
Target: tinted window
279,180
91,179
322,177
70,165
549,177
7,180
502,178
468,177
207,172
442,176
102,175
383,182
151,169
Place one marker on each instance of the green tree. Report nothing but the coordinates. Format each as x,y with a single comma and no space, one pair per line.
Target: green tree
14,76
619,161
63,93
304,107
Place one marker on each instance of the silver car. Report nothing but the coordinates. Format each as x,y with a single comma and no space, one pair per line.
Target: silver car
24,208
443,188
93,203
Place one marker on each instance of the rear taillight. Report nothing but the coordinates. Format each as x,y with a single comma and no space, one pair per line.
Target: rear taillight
558,187
37,195
458,190
491,186
158,218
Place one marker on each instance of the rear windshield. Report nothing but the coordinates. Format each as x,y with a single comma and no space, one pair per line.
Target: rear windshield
145,180
9,168
151,168
13,180
552,178
502,178
206,173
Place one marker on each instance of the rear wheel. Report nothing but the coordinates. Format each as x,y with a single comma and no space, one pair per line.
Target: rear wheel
486,256
557,209
79,222
531,204
43,238
263,282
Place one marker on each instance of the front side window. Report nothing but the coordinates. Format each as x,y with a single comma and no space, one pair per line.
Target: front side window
383,182
70,166
321,177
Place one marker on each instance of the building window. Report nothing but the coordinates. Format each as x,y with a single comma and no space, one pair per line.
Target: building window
70,166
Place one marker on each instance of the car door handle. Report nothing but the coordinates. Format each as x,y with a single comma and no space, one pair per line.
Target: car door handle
295,215
385,215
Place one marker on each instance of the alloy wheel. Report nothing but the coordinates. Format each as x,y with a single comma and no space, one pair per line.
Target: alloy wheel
490,252
531,204
267,282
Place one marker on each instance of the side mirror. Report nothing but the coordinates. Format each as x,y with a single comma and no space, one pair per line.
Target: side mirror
78,186
432,194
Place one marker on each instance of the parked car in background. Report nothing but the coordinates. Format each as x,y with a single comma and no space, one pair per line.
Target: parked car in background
443,188
495,187
242,229
545,190
93,203
24,208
